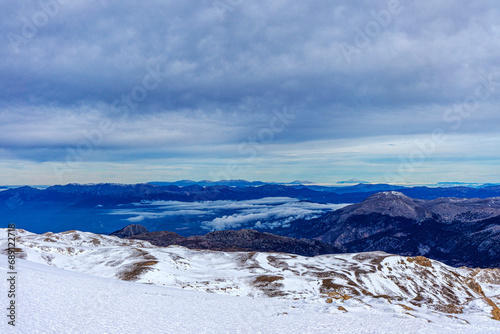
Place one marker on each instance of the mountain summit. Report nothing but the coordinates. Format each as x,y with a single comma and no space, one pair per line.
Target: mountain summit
456,231
130,230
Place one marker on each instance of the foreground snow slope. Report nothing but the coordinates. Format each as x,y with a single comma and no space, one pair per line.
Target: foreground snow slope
418,293
52,300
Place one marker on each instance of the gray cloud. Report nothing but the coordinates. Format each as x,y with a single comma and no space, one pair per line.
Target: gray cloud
286,51
222,77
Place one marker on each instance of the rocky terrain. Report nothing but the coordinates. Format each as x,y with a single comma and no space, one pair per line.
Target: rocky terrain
242,240
456,231
130,230
414,287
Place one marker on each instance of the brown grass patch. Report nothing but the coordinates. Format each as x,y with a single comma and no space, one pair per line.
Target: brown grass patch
145,255
266,279
366,293
406,307
19,254
136,270
496,311
310,267
450,294
418,298
17,250
328,287
275,262
389,298
247,260
338,295
270,285
475,286
386,297
323,274
341,308
421,260
95,241
449,308
327,284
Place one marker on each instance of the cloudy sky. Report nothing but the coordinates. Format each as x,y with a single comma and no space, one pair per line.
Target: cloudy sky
126,91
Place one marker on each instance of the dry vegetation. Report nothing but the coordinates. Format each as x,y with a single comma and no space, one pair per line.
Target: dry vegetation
20,254
266,279
475,286
270,285
136,270
406,307
496,311
338,296
421,260
449,308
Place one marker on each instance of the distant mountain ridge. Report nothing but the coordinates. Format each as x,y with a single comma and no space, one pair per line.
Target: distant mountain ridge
124,193
207,183
228,240
88,207
130,231
351,181
455,231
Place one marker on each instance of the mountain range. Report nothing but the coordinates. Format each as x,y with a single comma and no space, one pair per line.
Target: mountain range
63,207
441,223
361,283
457,231
228,240
110,193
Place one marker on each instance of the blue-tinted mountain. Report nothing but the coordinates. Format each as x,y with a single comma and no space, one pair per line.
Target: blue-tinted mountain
455,231
351,181
207,183
90,207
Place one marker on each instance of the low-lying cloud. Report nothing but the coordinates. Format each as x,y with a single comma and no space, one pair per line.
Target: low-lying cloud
265,213
270,217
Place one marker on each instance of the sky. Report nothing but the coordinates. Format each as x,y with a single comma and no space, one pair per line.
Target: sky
124,91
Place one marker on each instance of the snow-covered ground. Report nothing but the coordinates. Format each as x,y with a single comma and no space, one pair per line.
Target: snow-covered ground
53,300
88,297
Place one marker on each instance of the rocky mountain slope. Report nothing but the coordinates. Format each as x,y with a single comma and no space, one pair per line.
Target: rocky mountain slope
130,230
228,240
453,230
411,286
